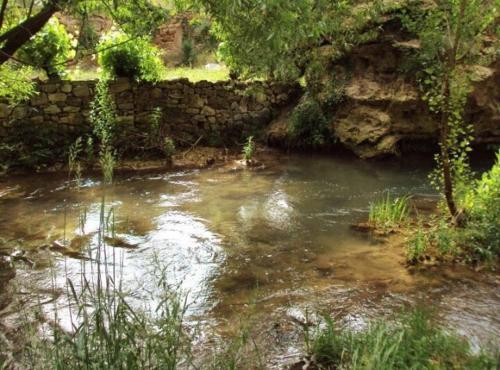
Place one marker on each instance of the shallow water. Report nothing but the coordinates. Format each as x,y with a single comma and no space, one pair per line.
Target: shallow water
279,236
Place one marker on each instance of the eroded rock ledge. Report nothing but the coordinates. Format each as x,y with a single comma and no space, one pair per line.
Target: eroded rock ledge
382,112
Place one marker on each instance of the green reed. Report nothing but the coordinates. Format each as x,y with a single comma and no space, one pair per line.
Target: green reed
389,212
412,341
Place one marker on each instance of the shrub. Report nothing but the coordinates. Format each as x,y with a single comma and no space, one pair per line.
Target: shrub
308,126
389,213
136,58
188,52
482,205
49,49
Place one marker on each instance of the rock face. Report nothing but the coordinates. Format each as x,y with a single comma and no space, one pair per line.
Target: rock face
382,111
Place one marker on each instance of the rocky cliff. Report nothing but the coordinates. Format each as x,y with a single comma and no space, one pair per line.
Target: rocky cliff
382,113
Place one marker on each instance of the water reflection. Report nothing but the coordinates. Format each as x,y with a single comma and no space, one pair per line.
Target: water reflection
224,235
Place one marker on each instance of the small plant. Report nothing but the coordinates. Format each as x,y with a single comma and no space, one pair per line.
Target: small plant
139,59
389,213
49,49
308,126
188,52
73,161
417,245
249,149
168,148
103,118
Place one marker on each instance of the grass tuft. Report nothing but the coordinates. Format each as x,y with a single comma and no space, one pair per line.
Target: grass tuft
414,341
389,213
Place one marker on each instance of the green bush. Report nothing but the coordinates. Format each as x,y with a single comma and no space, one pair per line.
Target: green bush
188,52
139,59
482,204
308,126
49,49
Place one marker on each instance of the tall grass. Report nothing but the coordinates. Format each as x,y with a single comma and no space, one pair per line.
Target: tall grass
414,341
109,331
389,212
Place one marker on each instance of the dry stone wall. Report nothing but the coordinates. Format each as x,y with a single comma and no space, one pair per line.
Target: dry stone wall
221,113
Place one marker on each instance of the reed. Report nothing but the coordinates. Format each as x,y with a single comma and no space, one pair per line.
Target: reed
412,341
389,212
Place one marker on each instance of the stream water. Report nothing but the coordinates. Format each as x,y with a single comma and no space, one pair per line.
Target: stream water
281,234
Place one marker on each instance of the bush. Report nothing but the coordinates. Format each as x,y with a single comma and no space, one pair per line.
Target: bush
49,49
308,126
137,58
188,53
482,204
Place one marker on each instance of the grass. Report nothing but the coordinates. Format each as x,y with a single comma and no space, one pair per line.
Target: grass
109,332
192,74
414,341
417,245
197,74
389,213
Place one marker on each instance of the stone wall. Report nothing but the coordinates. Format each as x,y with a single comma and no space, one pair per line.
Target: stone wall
221,113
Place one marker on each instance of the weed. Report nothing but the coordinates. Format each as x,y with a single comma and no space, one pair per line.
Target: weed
417,245
249,149
389,213
103,118
168,148
74,165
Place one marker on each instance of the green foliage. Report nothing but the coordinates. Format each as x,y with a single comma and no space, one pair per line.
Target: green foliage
74,163
88,38
415,341
451,34
249,149
103,119
15,83
189,53
168,147
389,213
308,126
137,58
417,245
482,203
276,38
49,49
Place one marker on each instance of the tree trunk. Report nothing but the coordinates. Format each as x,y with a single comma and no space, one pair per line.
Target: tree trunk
445,154
16,37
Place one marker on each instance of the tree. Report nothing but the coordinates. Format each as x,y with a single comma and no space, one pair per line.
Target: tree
452,35
20,21
277,38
